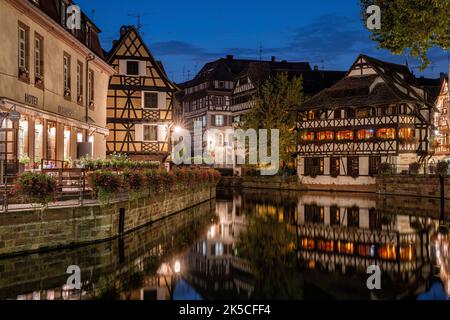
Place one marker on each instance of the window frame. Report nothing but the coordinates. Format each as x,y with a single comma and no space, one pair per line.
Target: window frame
26,50
67,85
127,69
219,123
38,61
143,105
143,132
91,88
79,82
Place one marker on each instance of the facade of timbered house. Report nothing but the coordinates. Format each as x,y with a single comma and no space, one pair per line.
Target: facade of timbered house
140,101
377,113
441,141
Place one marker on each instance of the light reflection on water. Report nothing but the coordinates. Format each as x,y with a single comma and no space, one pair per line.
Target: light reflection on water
253,244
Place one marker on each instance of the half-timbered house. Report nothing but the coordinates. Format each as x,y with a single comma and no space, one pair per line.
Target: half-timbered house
140,100
441,141
256,73
224,90
376,113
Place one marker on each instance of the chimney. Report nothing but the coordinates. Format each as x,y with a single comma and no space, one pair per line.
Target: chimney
316,67
272,59
229,57
123,30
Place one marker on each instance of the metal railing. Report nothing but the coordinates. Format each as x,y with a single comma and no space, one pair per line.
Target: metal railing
71,185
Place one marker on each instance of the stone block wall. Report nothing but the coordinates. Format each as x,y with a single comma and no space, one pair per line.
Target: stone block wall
419,186
34,230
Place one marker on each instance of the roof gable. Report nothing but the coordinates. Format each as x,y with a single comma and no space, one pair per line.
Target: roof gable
132,46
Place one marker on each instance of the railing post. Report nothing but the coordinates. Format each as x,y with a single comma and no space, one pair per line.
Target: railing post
81,187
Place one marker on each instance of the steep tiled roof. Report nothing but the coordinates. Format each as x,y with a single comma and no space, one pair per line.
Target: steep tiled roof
366,90
52,9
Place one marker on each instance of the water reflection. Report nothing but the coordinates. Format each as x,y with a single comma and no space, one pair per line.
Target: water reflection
254,245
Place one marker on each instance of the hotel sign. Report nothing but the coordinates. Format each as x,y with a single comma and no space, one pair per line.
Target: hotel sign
30,99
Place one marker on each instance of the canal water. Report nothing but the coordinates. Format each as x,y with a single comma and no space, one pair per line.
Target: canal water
253,244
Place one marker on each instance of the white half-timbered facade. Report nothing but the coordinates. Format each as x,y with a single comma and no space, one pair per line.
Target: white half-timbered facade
441,141
376,113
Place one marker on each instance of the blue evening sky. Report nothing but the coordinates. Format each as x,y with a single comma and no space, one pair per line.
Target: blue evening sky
186,34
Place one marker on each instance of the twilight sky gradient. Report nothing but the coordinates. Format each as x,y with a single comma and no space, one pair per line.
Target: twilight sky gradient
186,34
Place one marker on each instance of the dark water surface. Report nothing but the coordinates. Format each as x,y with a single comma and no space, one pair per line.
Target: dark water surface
253,245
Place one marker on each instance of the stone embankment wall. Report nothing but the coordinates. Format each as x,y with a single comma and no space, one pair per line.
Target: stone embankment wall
36,230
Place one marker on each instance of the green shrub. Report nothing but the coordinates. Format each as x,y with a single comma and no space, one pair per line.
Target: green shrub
385,168
442,168
36,187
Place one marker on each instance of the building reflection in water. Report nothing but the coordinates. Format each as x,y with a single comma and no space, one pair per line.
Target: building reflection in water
253,244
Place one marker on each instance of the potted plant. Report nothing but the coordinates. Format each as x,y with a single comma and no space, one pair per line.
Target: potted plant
39,81
24,160
414,168
24,73
385,168
36,187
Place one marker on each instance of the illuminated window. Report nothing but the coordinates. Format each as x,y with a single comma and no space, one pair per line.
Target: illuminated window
344,135
66,143
406,133
364,134
311,115
79,136
51,140
308,136
386,133
325,135
23,137
38,140
91,141
363,113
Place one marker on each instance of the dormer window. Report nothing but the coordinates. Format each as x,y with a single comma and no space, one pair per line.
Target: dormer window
64,14
87,40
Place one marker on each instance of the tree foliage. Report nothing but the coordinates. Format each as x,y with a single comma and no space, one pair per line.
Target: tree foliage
417,25
274,109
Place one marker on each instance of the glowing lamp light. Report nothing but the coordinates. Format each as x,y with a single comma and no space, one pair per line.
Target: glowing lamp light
177,266
177,129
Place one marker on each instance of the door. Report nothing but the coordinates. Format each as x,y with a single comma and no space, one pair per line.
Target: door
8,154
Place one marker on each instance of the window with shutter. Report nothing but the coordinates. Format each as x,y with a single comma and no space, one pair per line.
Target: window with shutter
150,100
150,133
133,68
